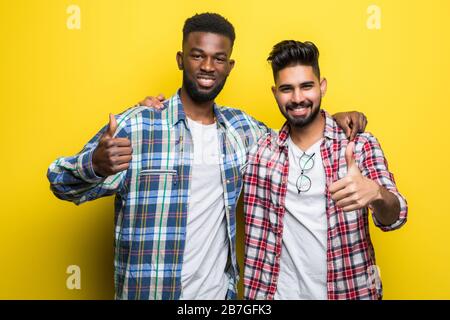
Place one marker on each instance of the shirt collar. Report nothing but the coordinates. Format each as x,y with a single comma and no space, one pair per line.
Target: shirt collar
331,130
176,111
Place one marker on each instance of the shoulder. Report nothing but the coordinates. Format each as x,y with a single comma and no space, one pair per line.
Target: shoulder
141,115
265,146
237,117
365,141
368,149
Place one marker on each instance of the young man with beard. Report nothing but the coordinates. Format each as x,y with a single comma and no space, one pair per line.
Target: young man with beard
307,194
176,175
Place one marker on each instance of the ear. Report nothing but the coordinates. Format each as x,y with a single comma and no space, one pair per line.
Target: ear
323,86
180,60
232,63
274,91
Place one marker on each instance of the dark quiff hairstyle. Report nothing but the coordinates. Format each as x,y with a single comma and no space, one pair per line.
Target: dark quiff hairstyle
209,22
290,53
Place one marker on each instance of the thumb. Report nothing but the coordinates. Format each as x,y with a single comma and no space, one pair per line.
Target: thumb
349,155
112,127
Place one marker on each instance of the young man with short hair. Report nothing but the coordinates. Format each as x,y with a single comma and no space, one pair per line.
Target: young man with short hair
307,194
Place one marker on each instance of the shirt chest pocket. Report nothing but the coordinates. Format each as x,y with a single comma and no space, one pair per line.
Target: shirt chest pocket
157,172
156,185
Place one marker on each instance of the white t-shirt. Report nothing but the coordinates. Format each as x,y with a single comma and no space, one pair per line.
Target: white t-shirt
303,261
206,250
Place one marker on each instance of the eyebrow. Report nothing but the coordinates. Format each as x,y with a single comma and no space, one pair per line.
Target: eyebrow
283,86
222,53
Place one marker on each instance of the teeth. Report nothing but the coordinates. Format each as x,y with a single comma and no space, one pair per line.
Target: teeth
298,108
205,82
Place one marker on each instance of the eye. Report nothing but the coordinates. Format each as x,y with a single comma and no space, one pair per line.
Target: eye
196,56
221,59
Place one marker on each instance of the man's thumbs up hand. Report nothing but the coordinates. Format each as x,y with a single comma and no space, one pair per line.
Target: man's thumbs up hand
354,191
112,155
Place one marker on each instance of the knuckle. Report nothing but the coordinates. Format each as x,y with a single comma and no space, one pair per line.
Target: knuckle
111,160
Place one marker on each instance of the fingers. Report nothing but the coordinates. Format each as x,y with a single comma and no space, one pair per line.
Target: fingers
359,123
338,185
341,194
355,125
123,159
362,125
147,102
119,142
120,167
353,133
346,202
351,207
117,163
348,128
124,151
153,102
346,198
114,151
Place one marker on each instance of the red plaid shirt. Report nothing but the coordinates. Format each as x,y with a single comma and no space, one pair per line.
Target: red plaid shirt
351,267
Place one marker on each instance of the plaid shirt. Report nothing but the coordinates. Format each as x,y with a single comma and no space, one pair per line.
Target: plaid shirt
351,267
152,196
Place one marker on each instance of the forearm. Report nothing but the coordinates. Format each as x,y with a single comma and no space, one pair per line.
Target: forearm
72,177
386,207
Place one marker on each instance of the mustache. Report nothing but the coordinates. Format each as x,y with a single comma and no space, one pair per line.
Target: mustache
303,104
206,74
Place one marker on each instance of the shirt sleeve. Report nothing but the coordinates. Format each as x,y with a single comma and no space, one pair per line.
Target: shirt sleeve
374,166
73,178
256,131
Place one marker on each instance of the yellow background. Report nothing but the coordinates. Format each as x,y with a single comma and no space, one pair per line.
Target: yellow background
58,86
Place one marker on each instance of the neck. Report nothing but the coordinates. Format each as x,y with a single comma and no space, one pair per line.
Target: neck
305,137
200,112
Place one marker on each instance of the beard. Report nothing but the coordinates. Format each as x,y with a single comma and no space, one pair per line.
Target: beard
300,122
196,95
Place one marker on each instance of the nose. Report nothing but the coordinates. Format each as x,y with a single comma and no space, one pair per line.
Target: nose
207,65
297,96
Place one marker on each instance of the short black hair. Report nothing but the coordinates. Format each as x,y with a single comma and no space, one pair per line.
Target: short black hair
290,53
209,22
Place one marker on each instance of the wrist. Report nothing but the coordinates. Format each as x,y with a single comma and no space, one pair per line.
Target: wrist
86,169
377,195
95,168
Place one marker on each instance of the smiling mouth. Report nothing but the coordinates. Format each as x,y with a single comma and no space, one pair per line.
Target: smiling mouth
206,81
298,111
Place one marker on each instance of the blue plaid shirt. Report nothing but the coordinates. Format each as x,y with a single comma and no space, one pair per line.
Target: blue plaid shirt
152,196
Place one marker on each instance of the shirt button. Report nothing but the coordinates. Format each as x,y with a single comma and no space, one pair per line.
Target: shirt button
223,155
229,207
228,180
